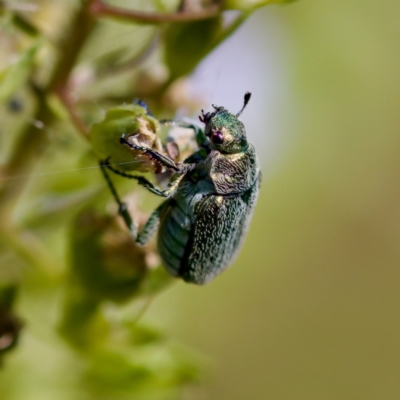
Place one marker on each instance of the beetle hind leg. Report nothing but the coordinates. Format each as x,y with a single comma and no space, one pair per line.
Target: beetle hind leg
150,227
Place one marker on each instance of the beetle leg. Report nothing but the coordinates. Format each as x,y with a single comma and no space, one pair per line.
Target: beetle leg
152,223
141,180
144,182
122,208
163,160
151,226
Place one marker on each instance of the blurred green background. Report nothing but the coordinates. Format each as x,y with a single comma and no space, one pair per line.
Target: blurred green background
310,310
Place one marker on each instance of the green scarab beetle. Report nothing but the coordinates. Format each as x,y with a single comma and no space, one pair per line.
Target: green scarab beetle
209,201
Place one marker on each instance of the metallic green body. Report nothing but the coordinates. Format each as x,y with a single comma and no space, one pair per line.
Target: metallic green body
204,222
210,200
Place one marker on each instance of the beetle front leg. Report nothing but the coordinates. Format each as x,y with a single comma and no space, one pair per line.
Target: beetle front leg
163,160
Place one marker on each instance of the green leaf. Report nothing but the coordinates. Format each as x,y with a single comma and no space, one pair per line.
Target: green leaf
7,293
15,76
129,120
187,44
105,261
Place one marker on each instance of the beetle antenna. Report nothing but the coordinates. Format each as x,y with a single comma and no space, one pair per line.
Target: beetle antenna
246,100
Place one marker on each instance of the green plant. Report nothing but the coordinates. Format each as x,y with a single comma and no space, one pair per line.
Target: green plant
65,258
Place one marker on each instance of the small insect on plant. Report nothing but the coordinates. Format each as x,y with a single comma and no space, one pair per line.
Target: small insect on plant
209,200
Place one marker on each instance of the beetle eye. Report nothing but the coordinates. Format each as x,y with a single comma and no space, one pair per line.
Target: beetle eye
217,137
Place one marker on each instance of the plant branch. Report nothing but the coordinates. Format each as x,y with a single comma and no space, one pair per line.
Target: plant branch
33,139
101,9
69,105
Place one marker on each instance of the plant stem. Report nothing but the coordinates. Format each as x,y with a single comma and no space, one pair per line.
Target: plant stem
69,105
101,9
33,139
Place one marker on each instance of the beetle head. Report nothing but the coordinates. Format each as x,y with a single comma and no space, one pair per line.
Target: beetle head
225,131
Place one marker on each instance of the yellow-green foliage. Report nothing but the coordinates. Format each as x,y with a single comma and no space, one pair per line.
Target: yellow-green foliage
72,282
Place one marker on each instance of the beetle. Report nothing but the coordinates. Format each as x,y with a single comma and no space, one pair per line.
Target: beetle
209,200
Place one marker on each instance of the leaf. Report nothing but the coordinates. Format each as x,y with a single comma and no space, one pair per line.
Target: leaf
131,120
187,44
13,77
105,261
